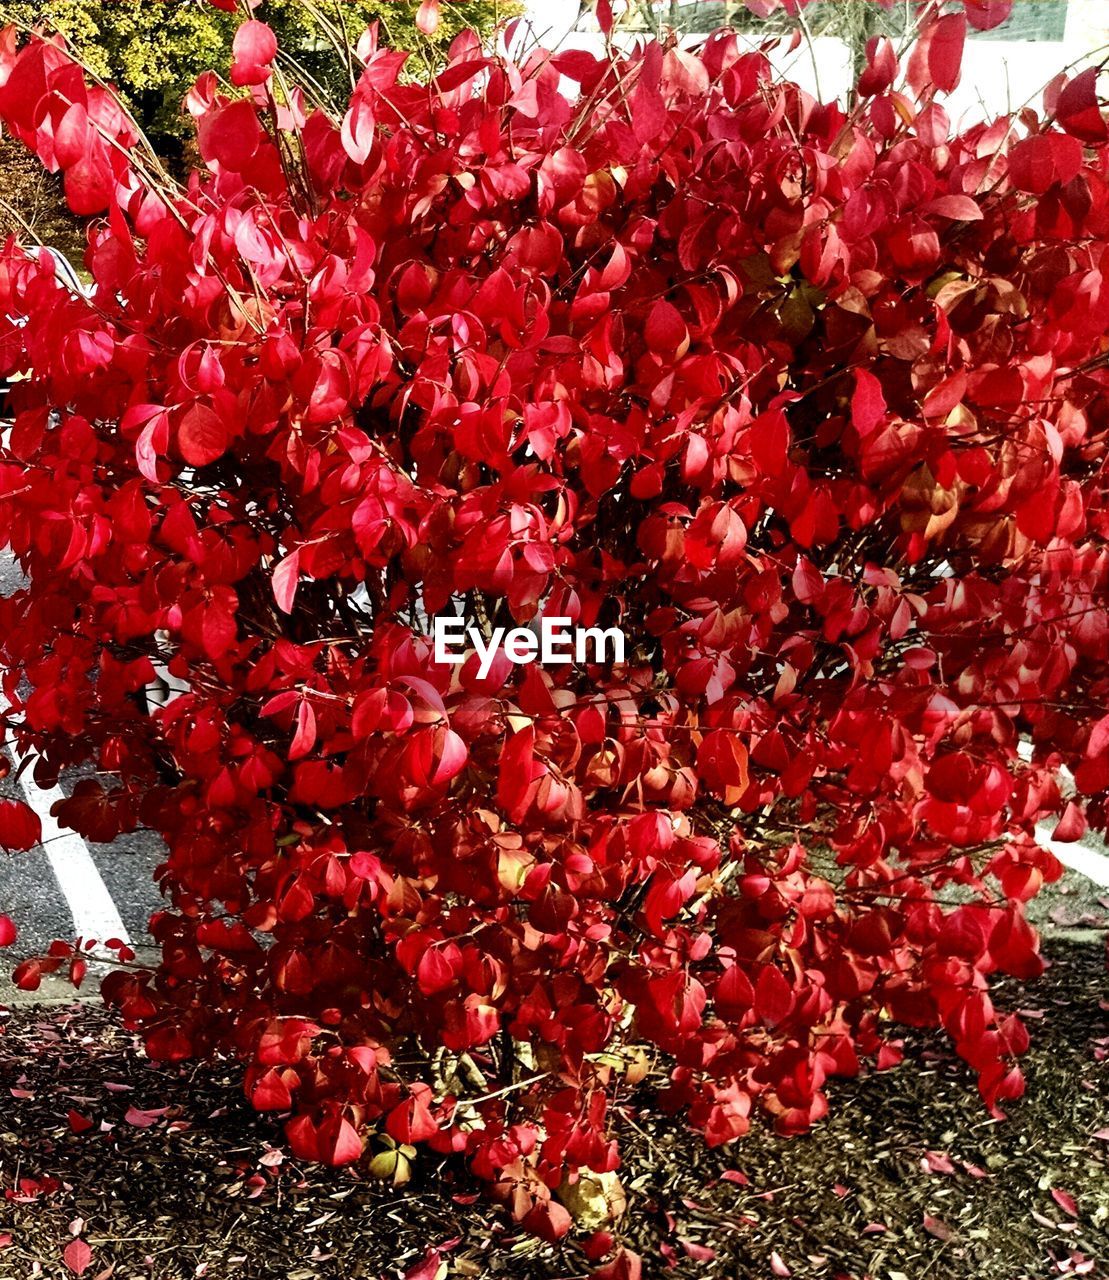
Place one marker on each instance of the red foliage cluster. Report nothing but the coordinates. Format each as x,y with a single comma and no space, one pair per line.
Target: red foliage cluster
808,400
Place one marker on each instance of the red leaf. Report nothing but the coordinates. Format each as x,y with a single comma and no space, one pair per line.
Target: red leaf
938,1228
20,826
436,969
88,183
71,136
77,1122
1038,162
339,1143
549,1220
143,1119
202,436
1072,825
625,1266
961,208
304,739
937,1162
698,1252
77,1256
152,443
723,763
253,50
285,579
230,136
450,756
665,329
889,1055
271,1092
881,67
357,131
868,404
28,975
983,15
427,17
411,1120
1065,1201
650,115
1078,108
665,898
937,56
8,931
518,772
428,1268
945,51
773,997
734,994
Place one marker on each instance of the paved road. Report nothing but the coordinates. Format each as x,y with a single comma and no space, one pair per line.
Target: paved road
68,886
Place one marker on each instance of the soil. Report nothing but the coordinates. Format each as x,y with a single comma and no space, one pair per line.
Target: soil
908,1178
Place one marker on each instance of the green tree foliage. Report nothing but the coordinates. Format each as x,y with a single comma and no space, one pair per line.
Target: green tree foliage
153,52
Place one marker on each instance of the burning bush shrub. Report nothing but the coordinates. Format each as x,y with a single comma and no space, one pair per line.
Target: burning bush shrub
807,400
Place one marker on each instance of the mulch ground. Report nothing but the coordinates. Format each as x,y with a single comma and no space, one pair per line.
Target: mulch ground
908,1178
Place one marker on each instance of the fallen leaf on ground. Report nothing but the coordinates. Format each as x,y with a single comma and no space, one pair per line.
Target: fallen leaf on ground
937,1227
430,1267
1065,1201
144,1119
77,1256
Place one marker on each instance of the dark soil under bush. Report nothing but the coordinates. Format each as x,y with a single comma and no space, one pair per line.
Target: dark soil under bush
908,1178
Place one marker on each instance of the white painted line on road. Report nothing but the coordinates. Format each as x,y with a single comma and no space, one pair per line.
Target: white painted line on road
90,904
1087,862
1079,857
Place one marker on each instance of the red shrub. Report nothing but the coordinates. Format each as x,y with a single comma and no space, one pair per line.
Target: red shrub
810,403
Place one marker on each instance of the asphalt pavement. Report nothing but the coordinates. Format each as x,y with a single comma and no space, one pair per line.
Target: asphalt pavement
68,885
